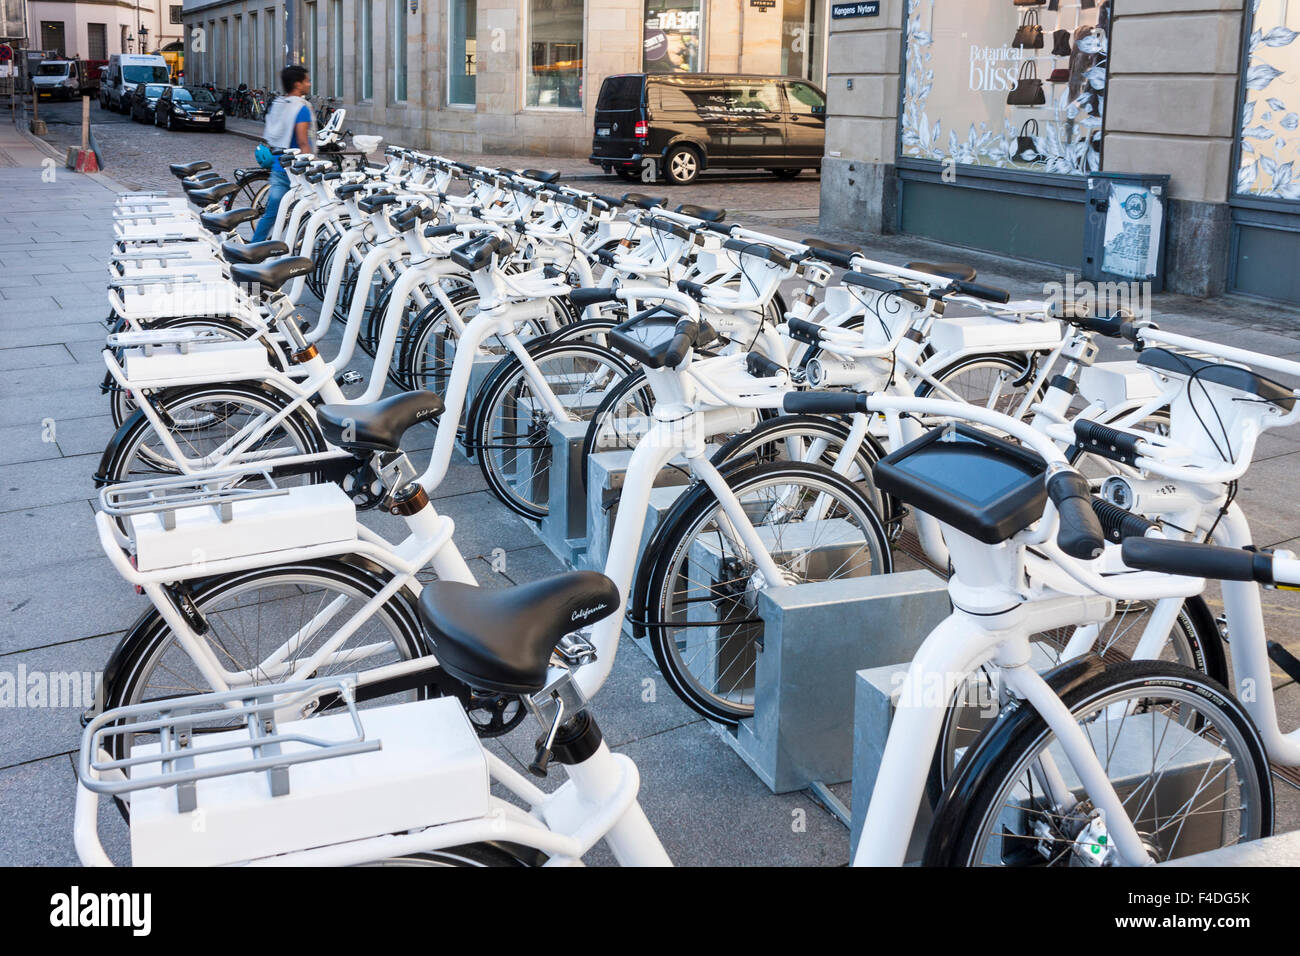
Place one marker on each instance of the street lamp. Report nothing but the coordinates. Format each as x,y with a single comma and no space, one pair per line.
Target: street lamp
144,39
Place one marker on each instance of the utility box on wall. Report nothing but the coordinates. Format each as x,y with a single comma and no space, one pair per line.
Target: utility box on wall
1125,227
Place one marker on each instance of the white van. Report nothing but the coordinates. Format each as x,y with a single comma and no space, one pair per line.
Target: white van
125,72
59,79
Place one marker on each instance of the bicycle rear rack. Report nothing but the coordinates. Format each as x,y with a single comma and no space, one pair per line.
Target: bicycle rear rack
179,723
165,496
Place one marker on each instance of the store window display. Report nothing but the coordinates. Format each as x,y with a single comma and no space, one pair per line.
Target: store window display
1270,111
1031,90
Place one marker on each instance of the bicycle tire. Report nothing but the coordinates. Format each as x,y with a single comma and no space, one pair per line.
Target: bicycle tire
957,833
653,610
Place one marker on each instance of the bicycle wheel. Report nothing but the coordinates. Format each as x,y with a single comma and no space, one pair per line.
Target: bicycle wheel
250,614
1194,642
512,416
469,855
204,421
429,348
813,439
996,382
697,593
620,419
1183,755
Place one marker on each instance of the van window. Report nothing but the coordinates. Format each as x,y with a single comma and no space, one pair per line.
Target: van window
145,74
620,93
805,99
754,96
52,69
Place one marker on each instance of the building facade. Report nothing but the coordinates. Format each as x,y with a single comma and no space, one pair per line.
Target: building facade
982,122
96,29
494,75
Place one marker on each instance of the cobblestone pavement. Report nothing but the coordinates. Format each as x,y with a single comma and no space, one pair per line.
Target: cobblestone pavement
137,154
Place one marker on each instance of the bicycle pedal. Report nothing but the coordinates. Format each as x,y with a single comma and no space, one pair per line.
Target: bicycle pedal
1284,659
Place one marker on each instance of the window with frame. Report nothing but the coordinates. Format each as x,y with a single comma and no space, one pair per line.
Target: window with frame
52,36
367,49
671,38
399,50
254,48
336,46
554,70
97,41
1008,86
272,58
1269,136
313,25
462,52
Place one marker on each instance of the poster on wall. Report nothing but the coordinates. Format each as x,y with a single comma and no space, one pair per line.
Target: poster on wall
996,83
1132,241
672,36
1270,112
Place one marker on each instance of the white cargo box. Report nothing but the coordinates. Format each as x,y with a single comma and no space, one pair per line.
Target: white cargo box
299,517
429,770
215,360
985,333
1110,385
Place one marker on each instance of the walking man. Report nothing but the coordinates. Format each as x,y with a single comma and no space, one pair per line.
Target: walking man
288,125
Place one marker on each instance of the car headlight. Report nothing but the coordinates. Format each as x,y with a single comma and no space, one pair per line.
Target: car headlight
178,111
219,113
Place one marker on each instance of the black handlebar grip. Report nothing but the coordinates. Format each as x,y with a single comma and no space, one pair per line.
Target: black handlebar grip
824,403
721,228
986,292
694,289
683,341
760,366
877,284
1118,524
1080,535
1195,560
837,257
581,298
801,330
1105,441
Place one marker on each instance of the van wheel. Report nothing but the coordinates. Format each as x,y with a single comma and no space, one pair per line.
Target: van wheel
786,173
682,165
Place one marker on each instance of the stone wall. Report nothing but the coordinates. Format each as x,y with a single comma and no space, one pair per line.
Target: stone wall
862,77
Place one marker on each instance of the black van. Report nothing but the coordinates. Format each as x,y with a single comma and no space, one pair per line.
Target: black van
677,124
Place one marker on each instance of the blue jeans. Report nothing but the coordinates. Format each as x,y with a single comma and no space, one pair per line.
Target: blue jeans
279,186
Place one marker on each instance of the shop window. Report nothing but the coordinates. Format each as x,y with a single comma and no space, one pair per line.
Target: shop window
1013,87
554,68
801,39
367,46
672,36
462,53
1269,143
336,46
398,13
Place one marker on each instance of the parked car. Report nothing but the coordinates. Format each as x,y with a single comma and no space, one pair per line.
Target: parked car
58,79
688,122
125,71
144,100
184,107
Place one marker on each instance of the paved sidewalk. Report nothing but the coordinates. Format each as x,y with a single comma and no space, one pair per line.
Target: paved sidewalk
62,607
